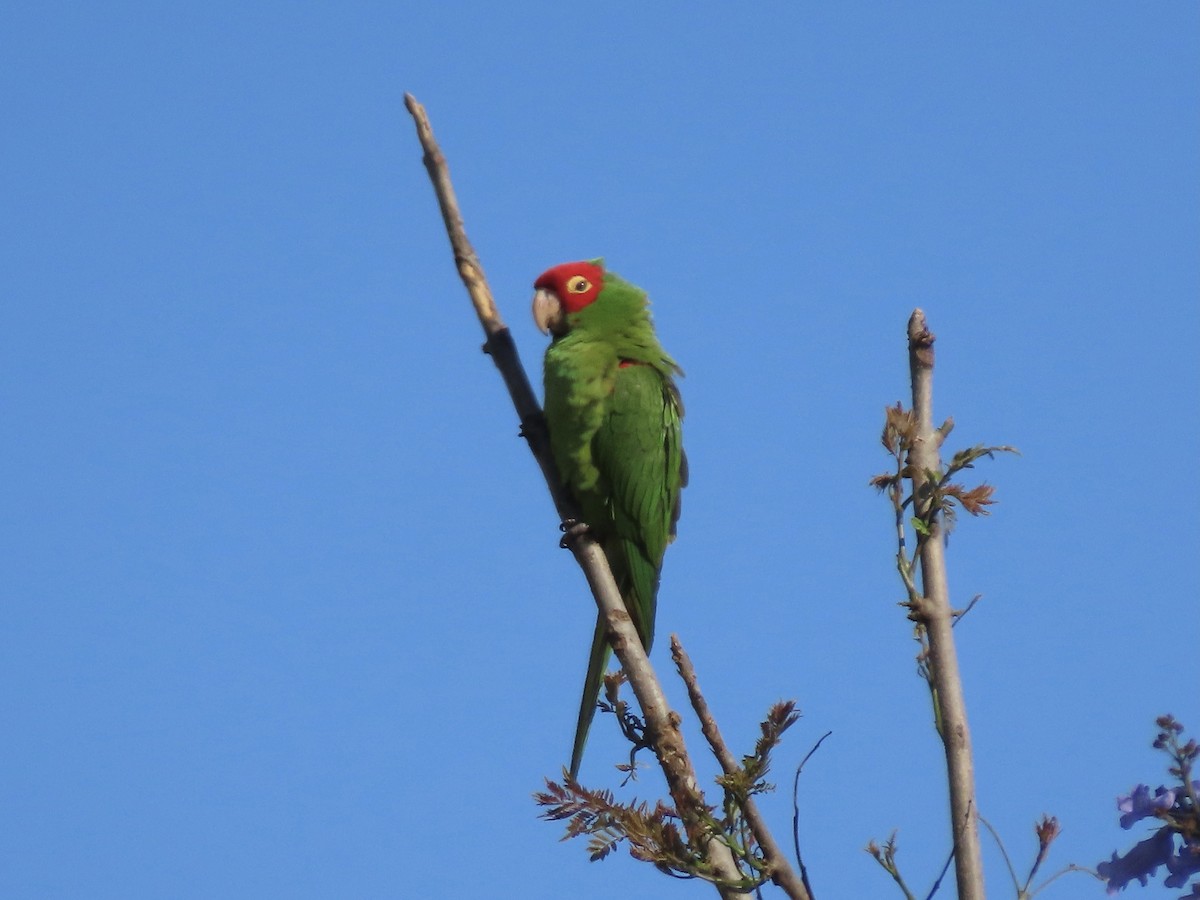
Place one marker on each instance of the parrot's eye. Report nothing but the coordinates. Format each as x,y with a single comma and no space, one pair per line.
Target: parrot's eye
577,284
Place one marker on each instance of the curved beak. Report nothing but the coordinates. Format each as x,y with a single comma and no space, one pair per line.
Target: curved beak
548,314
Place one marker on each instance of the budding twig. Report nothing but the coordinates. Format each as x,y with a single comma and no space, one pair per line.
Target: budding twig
936,614
779,870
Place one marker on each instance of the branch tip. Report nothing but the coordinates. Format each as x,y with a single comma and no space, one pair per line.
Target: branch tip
916,322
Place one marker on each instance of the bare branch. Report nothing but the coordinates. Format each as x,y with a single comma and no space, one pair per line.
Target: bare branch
499,344
779,870
959,614
708,725
465,259
937,616
661,723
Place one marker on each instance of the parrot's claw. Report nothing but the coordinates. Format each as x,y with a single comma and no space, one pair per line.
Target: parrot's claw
572,530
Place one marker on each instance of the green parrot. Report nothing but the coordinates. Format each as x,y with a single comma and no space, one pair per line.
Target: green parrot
613,413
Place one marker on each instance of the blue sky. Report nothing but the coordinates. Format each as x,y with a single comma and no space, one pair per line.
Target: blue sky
283,612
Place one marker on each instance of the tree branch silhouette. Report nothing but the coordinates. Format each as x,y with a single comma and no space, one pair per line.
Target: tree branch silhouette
662,724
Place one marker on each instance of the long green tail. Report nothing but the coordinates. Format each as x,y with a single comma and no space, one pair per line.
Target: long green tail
593,683
637,579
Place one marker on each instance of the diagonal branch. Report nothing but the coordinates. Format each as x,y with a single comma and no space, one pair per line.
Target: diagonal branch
661,723
500,345
933,610
779,869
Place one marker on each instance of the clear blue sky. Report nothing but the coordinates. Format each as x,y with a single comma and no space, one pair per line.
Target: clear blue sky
282,609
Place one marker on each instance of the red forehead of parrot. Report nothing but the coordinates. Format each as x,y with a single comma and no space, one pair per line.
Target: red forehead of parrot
576,284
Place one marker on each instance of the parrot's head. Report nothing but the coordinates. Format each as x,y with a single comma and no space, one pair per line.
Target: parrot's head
565,289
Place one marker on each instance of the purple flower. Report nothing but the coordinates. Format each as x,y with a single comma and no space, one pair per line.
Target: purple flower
1183,866
1141,862
1140,805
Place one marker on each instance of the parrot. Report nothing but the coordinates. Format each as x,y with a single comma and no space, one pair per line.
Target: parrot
613,413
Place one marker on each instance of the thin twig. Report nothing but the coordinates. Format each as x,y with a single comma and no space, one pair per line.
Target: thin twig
942,874
935,613
661,722
1060,873
1012,873
959,613
796,811
779,869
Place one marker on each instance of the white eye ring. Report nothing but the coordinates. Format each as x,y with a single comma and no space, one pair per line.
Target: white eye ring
577,284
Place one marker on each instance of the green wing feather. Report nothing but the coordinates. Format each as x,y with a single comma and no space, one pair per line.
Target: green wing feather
637,449
638,452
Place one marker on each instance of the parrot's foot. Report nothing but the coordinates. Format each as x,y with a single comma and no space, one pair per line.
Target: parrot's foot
572,530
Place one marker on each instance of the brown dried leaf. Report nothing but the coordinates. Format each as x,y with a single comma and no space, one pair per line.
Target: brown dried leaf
884,481
976,500
898,427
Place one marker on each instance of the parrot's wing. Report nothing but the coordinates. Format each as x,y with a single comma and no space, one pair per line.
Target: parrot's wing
639,452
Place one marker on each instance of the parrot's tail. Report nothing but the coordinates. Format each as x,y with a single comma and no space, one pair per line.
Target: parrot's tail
593,682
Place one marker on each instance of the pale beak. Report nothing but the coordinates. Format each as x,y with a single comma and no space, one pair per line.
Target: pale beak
548,314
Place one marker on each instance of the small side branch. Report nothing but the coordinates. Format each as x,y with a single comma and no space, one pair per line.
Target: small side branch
886,857
796,811
779,870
